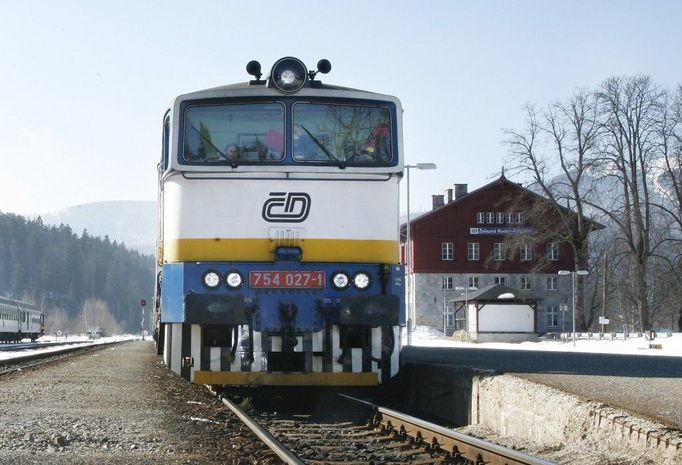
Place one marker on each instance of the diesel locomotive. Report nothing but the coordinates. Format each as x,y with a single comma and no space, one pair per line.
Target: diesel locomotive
278,239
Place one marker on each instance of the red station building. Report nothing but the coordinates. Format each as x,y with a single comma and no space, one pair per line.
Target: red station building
494,235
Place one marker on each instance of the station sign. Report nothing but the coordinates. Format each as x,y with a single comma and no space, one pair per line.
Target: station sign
499,231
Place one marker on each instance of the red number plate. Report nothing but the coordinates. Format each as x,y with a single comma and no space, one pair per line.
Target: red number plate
287,279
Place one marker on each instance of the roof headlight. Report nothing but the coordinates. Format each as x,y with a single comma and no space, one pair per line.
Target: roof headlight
288,74
288,77
234,279
340,280
361,280
211,279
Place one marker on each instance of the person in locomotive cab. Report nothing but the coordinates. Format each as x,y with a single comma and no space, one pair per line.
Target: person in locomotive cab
232,152
377,146
274,143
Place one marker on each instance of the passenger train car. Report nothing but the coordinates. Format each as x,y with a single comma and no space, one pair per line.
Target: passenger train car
278,247
19,320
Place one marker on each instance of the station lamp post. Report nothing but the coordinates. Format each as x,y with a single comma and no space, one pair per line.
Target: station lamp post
573,274
411,312
466,298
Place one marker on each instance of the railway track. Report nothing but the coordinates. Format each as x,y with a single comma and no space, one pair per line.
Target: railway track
11,347
342,430
32,360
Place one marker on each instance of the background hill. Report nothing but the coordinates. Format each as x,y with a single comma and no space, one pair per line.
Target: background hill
77,279
132,223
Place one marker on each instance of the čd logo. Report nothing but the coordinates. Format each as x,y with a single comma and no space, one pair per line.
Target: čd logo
286,207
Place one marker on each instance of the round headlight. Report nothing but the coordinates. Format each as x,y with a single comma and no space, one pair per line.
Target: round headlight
361,280
340,280
233,279
211,279
288,74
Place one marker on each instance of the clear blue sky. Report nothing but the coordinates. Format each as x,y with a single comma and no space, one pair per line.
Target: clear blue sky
84,84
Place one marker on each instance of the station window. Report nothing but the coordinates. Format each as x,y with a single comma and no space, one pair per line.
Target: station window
473,281
552,283
447,251
500,217
510,217
553,251
552,316
499,252
447,283
526,252
491,217
526,283
449,316
480,217
499,280
473,251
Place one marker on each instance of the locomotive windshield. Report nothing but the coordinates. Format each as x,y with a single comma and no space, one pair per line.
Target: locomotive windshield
320,133
247,132
341,133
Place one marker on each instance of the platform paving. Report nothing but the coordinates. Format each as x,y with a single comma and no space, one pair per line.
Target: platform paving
648,386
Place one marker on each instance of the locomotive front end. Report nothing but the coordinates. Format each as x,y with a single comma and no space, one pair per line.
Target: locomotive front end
278,245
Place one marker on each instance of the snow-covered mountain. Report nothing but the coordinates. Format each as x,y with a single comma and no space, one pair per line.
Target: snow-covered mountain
130,222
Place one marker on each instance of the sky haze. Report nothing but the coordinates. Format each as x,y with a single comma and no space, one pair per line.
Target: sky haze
84,85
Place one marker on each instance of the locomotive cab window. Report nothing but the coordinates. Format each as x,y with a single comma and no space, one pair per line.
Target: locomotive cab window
250,133
330,133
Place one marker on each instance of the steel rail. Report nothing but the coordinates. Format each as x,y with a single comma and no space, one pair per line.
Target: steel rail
280,450
38,345
460,445
22,362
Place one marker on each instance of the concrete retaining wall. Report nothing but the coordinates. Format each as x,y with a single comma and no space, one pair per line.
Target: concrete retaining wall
524,410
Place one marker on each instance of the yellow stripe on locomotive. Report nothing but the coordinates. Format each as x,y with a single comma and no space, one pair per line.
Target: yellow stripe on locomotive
315,250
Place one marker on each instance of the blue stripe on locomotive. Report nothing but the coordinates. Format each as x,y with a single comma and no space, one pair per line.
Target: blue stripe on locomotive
185,299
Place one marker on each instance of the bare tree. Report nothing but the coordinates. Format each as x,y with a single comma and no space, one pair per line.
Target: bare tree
96,313
670,184
630,113
56,319
557,152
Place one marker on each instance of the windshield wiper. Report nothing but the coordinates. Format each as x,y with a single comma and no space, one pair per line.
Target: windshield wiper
321,146
208,139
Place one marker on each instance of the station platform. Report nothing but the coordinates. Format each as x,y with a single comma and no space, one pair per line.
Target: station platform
648,386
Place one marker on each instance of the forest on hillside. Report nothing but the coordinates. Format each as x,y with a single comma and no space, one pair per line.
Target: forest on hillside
78,280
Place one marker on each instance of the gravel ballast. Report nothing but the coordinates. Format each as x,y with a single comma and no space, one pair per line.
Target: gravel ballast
118,405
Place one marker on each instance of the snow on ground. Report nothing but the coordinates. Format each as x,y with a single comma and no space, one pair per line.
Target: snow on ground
76,339
669,345
425,336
